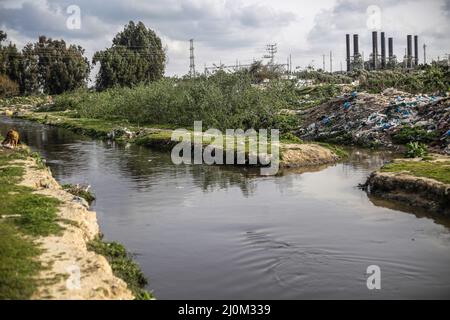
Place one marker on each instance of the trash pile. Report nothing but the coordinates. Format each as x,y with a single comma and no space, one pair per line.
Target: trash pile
372,120
120,132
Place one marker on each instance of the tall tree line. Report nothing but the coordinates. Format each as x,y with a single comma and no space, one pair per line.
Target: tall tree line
53,67
50,66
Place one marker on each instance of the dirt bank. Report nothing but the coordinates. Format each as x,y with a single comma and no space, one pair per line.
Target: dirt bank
423,184
65,255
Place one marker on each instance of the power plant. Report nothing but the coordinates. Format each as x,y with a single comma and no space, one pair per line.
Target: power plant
380,59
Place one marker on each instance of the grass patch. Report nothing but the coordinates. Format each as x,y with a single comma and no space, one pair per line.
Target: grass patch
18,266
17,263
437,170
123,266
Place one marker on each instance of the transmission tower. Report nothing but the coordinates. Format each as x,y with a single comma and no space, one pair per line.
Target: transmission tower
271,51
192,59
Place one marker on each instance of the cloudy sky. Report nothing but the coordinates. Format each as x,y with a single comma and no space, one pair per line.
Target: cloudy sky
230,30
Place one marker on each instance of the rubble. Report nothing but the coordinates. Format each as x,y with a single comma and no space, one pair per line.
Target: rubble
372,120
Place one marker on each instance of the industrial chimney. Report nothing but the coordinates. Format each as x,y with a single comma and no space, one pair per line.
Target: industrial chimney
408,51
416,50
355,45
374,49
391,48
347,43
383,51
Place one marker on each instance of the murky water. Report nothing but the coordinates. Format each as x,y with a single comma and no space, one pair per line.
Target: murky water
224,232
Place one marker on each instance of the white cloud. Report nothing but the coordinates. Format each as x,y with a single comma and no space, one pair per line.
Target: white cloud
226,30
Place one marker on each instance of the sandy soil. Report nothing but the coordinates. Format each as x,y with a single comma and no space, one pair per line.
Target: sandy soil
302,155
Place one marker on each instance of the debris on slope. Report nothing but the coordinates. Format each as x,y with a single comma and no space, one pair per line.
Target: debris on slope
372,120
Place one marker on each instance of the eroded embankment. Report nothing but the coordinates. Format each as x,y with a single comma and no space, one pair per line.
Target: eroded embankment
419,183
59,234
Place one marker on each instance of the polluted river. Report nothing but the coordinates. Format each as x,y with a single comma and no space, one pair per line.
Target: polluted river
210,232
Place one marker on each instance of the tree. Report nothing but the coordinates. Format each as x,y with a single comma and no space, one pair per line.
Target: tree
47,65
60,67
136,56
29,71
10,59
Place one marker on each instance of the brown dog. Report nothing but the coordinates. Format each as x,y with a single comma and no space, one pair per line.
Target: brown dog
12,139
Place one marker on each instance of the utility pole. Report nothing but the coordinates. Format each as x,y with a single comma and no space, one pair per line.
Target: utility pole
192,59
424,54
323,56
341,66
271,51
331,62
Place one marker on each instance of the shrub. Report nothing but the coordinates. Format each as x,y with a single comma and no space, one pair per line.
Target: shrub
8,88
221,101
408,134
416,150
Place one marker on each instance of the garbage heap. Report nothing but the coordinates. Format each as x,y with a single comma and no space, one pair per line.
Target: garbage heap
373,120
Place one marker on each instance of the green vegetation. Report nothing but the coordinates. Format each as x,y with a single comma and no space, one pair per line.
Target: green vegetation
408,134
123,266
25,215
79,192
8,88
48,64
319,76
221,101
437,170
30,100
17,263
312,96
416,150
136,56
429,79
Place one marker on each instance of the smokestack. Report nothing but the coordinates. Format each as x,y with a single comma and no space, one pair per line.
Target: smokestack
383,51
416,50
408,51
391,47
374,49
355,45
347,43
